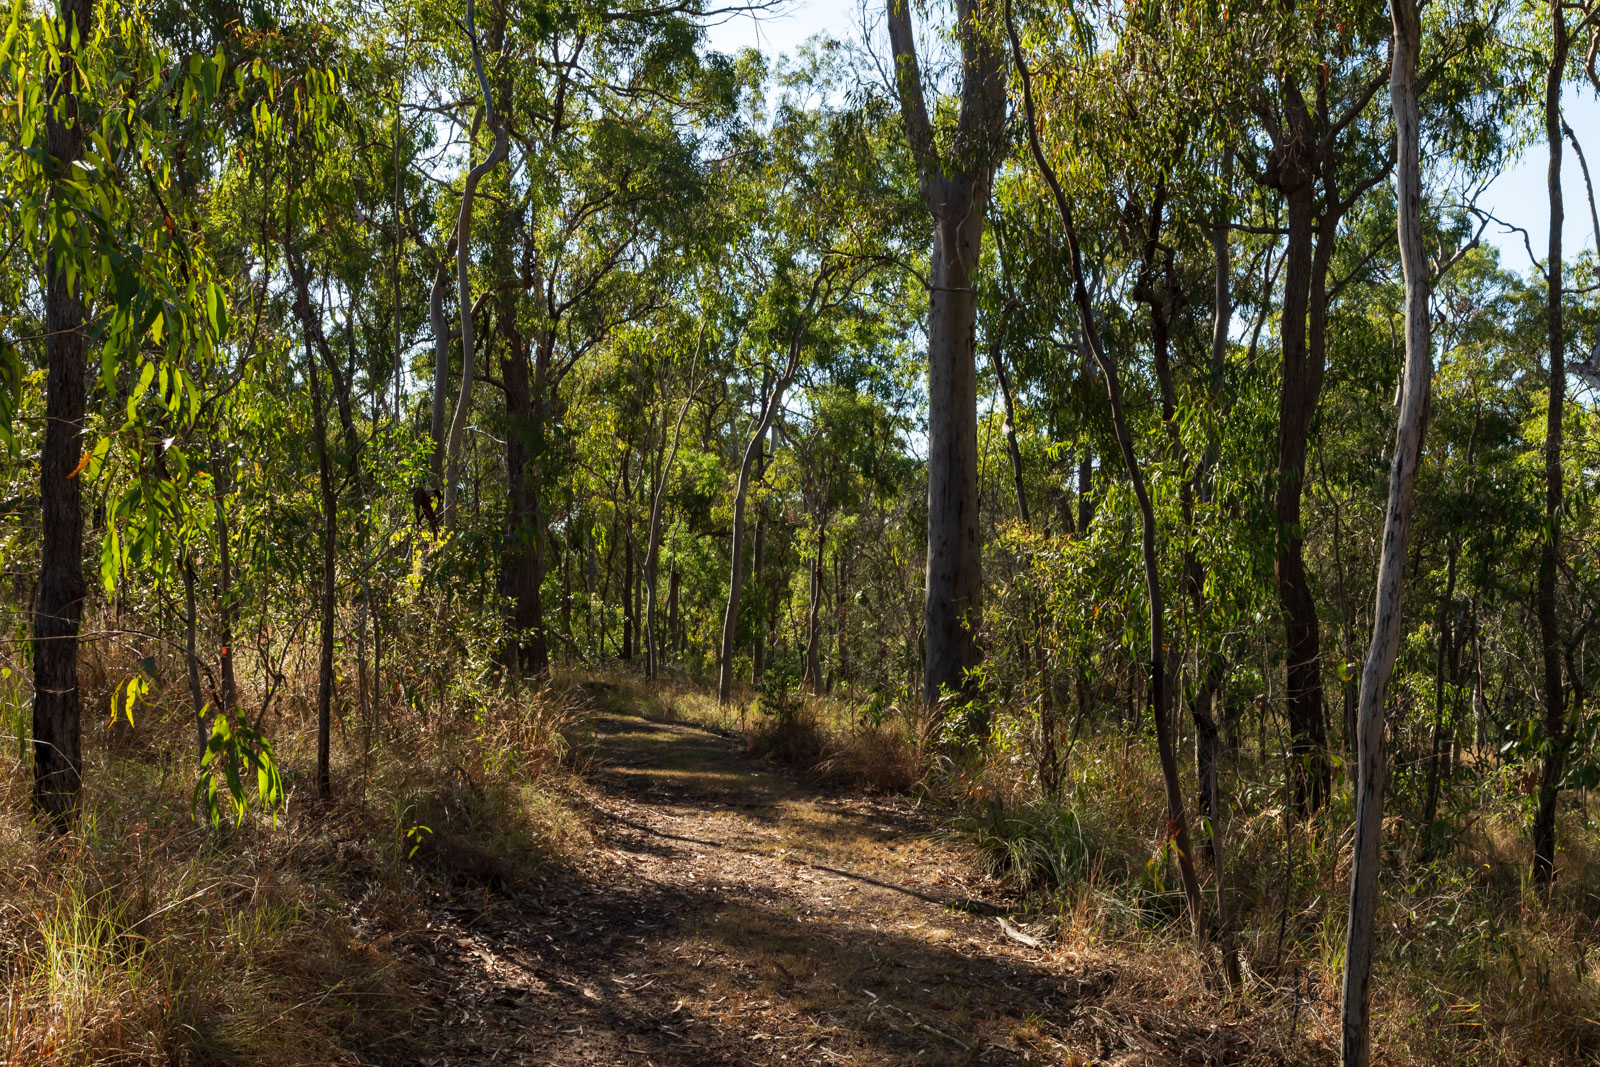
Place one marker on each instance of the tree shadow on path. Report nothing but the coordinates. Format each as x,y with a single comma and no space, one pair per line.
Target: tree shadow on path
735,914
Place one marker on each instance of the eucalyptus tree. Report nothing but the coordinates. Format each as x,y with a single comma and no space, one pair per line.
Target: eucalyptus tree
827,208
1314,74
1415,386
106,243
609,114
1558,727
1081,70
58,614
955,165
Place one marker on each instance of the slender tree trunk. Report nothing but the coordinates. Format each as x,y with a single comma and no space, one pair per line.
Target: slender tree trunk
469,190
1160,680
1207,738
1015,453
626,524
674,634
652,555
1297,400
441,365
730,618
1292,169
219,485
814,614
191,656
1430,805
522,573
397,371
1360,933
758,556
1556,728
330,519
752,450
841,660
58,610
566,591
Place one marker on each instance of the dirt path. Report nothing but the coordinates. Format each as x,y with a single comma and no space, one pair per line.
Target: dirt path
733,914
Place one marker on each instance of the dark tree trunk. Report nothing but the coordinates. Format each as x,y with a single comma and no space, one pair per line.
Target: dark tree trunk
841,660
330,519
814,615
315,341
566,592
1556,728
1015,453
1442,659
1160,679
674,641
951,611
191,655
58,611
1163,304
1297,399
441,366
522,559
219,484
1085,492
626,531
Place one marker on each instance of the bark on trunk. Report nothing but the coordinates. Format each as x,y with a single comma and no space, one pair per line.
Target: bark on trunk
1556,727
522,559
1301,157
191,656
752,449
1163,304
674,641
1160,680
652,554
219,484
730,617
1386,629
330,519
441,364
814,615
1297,399
469,190
1015,453
626,527
1441,659
58,610
953,604
955,189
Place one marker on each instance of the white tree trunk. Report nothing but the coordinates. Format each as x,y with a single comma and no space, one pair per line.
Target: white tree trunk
1360,934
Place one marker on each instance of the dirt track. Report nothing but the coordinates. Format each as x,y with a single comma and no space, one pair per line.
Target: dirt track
734,914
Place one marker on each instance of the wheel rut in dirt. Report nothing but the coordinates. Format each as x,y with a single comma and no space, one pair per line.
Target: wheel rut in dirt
732,913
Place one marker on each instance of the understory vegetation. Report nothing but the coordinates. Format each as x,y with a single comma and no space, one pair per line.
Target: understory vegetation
151,936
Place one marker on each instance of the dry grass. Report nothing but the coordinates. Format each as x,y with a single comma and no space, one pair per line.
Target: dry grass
833,737
1474,966
147,936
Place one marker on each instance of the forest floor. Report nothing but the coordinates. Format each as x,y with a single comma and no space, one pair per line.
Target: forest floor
736,913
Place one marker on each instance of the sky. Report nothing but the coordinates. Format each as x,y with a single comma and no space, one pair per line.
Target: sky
1517,196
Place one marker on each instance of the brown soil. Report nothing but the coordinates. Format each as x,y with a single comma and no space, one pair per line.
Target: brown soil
733,913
